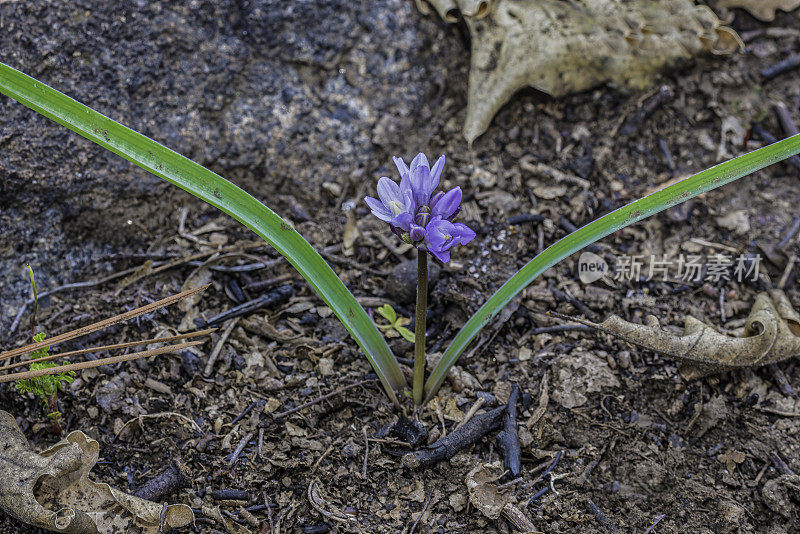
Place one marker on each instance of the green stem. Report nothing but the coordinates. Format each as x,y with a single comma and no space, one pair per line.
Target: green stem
419,341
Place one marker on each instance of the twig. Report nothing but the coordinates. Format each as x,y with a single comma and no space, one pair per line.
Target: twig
162,520
238,451
600,516
447,447
785,117
112,347
471,412
656,521
97,363
278,296
422,512
212,358
174,478
229,495
84,330
508,438
649,106
552,466
281,415
67,287
780,378
791,62
790,233
142,417
366,453
781,465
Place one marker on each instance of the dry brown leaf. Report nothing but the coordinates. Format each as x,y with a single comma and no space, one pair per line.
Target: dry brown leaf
771,334
566,47
52,489
762,9
483,492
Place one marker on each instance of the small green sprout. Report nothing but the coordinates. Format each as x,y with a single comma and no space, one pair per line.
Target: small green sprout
396,326
45,387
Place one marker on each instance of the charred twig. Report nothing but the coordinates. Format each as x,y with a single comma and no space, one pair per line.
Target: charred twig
561,328
780,465
791,62
650,105
600,516
447,447
229,495
790,233
280,295
525,218
174,478
422,512
780,378
508,438
785,117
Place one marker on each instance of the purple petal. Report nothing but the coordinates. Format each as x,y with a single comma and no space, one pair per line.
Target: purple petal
438,234
403,221
420,159
378,209
436,172
402,168
448,204
441,255
388,191
462,233
420,184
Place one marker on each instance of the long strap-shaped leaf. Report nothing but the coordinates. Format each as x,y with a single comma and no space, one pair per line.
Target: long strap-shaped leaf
220,193
662,199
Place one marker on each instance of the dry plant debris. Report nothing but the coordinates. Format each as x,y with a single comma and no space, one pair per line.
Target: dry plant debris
762,9
567,47
52,489
771,334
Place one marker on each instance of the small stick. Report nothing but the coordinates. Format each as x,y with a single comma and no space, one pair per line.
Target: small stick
97,363
790,233
471,412
269,513
787,271
174,478
424,509
238,451
84,330
447,447
508,438
229,495
649,106
785,117
780,378
655,523
212,358
162,520
780,464
600,516
281,415
111,347
552,466
791,62
525,218
280,295
366,453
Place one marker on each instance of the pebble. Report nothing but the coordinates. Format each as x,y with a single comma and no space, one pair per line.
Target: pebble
401,284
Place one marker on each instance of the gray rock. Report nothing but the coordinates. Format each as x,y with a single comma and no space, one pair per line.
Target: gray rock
402,283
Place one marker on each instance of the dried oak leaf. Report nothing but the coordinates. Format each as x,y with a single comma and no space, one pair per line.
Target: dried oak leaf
483,491
566,47
771,334
761,9
52,489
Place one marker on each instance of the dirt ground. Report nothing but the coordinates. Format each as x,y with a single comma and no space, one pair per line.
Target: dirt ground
308,127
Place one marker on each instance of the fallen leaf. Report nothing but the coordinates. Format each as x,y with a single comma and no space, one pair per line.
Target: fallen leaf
52,489
567,47
771,334
483,492
761,9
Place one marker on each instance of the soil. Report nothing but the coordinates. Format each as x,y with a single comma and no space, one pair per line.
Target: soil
303,104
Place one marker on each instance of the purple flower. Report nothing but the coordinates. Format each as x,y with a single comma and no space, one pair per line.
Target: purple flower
418,215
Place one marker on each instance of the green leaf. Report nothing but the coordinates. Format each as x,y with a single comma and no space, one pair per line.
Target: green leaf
388,313
220,193
407,334
672,195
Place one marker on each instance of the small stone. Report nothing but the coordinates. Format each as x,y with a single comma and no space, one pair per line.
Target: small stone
624,359
402,283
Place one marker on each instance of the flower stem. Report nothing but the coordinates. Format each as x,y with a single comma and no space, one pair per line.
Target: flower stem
419,341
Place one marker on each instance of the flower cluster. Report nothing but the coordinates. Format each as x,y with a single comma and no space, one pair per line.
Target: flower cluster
416,214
